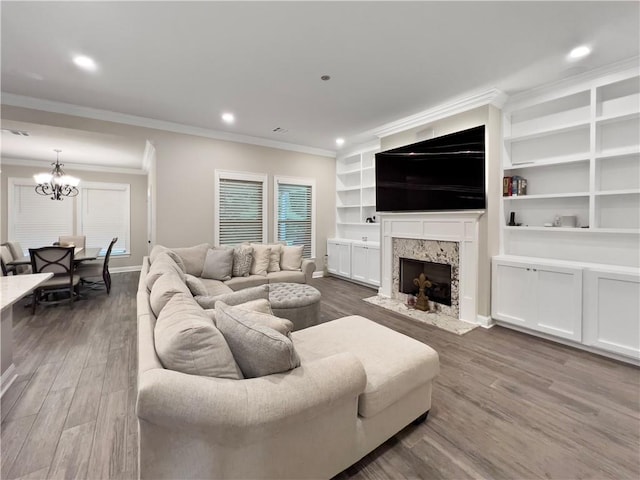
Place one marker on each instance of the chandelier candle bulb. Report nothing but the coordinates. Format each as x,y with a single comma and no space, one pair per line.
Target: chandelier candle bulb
57,183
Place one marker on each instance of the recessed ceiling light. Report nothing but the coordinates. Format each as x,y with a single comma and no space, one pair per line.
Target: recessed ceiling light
339,141
86,63
579,52
228,118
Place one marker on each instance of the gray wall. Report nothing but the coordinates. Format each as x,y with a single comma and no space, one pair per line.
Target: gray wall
489,224
185,176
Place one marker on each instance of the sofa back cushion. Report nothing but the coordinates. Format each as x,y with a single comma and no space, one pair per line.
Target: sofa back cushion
187,341
258,349
291,258
195,285
193,258
163,289
164,263
158,250
260,262
242,258
218,264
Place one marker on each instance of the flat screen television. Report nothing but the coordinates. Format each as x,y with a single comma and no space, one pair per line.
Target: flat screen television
439,174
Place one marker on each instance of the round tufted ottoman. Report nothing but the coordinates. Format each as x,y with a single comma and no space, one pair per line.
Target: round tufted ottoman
297,302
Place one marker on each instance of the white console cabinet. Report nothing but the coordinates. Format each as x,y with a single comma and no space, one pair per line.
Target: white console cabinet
359,261
545,298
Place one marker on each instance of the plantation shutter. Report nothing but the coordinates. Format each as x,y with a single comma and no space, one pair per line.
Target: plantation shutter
295,216
35,220
240,205
103,214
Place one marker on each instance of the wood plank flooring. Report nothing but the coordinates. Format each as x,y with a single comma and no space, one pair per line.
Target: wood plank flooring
505,406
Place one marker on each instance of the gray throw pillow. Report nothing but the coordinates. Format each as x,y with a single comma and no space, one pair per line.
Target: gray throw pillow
235,298
195,285
242,258
193,257
218,264
261,305
258,349
187,341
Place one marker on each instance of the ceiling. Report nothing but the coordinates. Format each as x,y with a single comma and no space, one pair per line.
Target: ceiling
188,62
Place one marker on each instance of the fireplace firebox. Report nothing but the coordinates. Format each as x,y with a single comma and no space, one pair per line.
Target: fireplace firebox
439,274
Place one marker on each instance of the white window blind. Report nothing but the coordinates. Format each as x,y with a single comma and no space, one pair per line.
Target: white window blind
295,214
35,220
103,213
241,208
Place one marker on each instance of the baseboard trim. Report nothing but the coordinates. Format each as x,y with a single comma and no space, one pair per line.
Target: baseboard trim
7,378
484,321
132,268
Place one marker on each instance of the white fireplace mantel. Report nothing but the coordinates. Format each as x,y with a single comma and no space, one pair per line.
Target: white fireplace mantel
461,227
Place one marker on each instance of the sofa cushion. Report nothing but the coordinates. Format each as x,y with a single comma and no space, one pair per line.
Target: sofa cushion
163,289
258,349
235,298
214,287
195,285
187,341
260,262
218,264
274,257
291,258
395,363
163,264
261,305
242,258
286,277
239,283
193,258
157,250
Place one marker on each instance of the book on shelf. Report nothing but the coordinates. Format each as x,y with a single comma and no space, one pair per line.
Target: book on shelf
506,187
514,186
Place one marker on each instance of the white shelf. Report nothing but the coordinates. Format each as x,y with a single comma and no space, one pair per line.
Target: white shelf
372,168
543,132
368,186
348,206
618,117
563,160
347,189
629,191
551,195
524,228
359,224
618,152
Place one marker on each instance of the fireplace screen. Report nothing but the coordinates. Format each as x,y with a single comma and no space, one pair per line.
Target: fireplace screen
439,274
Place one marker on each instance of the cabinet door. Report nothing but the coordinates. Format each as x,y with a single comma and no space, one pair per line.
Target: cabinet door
333,254
373,266
558,301
612,312
359,261
344,260
511,293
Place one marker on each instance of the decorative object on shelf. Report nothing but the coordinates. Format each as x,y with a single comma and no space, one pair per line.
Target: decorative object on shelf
512,219
370,219
569,221
422,301
57,183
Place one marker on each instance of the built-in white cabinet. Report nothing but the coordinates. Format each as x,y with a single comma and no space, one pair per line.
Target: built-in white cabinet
359,261
538,296
612,311
593,305
339,257
365,263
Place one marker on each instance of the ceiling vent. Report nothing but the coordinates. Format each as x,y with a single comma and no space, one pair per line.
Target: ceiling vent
280,130
20,133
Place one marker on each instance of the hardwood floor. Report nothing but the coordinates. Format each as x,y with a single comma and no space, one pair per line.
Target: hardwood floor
505,405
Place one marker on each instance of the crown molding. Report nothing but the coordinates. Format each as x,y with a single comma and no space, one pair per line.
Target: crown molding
462,104
360,148
44,164
126,119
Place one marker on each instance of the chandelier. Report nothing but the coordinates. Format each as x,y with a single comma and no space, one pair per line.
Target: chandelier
57,183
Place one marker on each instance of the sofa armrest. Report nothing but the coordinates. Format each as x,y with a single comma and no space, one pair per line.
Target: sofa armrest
237,412
308,267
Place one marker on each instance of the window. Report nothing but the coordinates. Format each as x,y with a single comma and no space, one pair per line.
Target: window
103,213
241,208
294,201
34,220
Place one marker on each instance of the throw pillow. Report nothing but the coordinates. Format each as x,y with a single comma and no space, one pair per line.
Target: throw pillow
266,317
166,287
261,305
187,341
242,258
195,285
291,258
260,262
193,258
234,298
218,264
258,349
274,258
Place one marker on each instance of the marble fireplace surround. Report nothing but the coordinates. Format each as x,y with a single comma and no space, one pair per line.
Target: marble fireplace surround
431,251
459,227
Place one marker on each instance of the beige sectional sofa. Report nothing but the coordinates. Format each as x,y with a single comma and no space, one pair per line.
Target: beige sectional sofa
347,386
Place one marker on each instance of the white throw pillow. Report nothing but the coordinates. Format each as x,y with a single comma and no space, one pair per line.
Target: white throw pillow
274,258
291,259
260,262
258,349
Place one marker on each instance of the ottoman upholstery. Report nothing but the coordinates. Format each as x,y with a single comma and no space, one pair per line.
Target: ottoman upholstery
297,302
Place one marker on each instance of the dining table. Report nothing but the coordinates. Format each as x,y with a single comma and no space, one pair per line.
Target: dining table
79,256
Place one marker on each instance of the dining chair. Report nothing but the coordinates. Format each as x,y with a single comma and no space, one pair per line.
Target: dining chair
6,257
78,241
59,261
92,270
17,253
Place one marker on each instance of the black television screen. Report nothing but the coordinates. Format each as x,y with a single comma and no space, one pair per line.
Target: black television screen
443,173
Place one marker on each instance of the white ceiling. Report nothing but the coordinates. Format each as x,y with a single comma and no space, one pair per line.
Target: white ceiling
187,62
